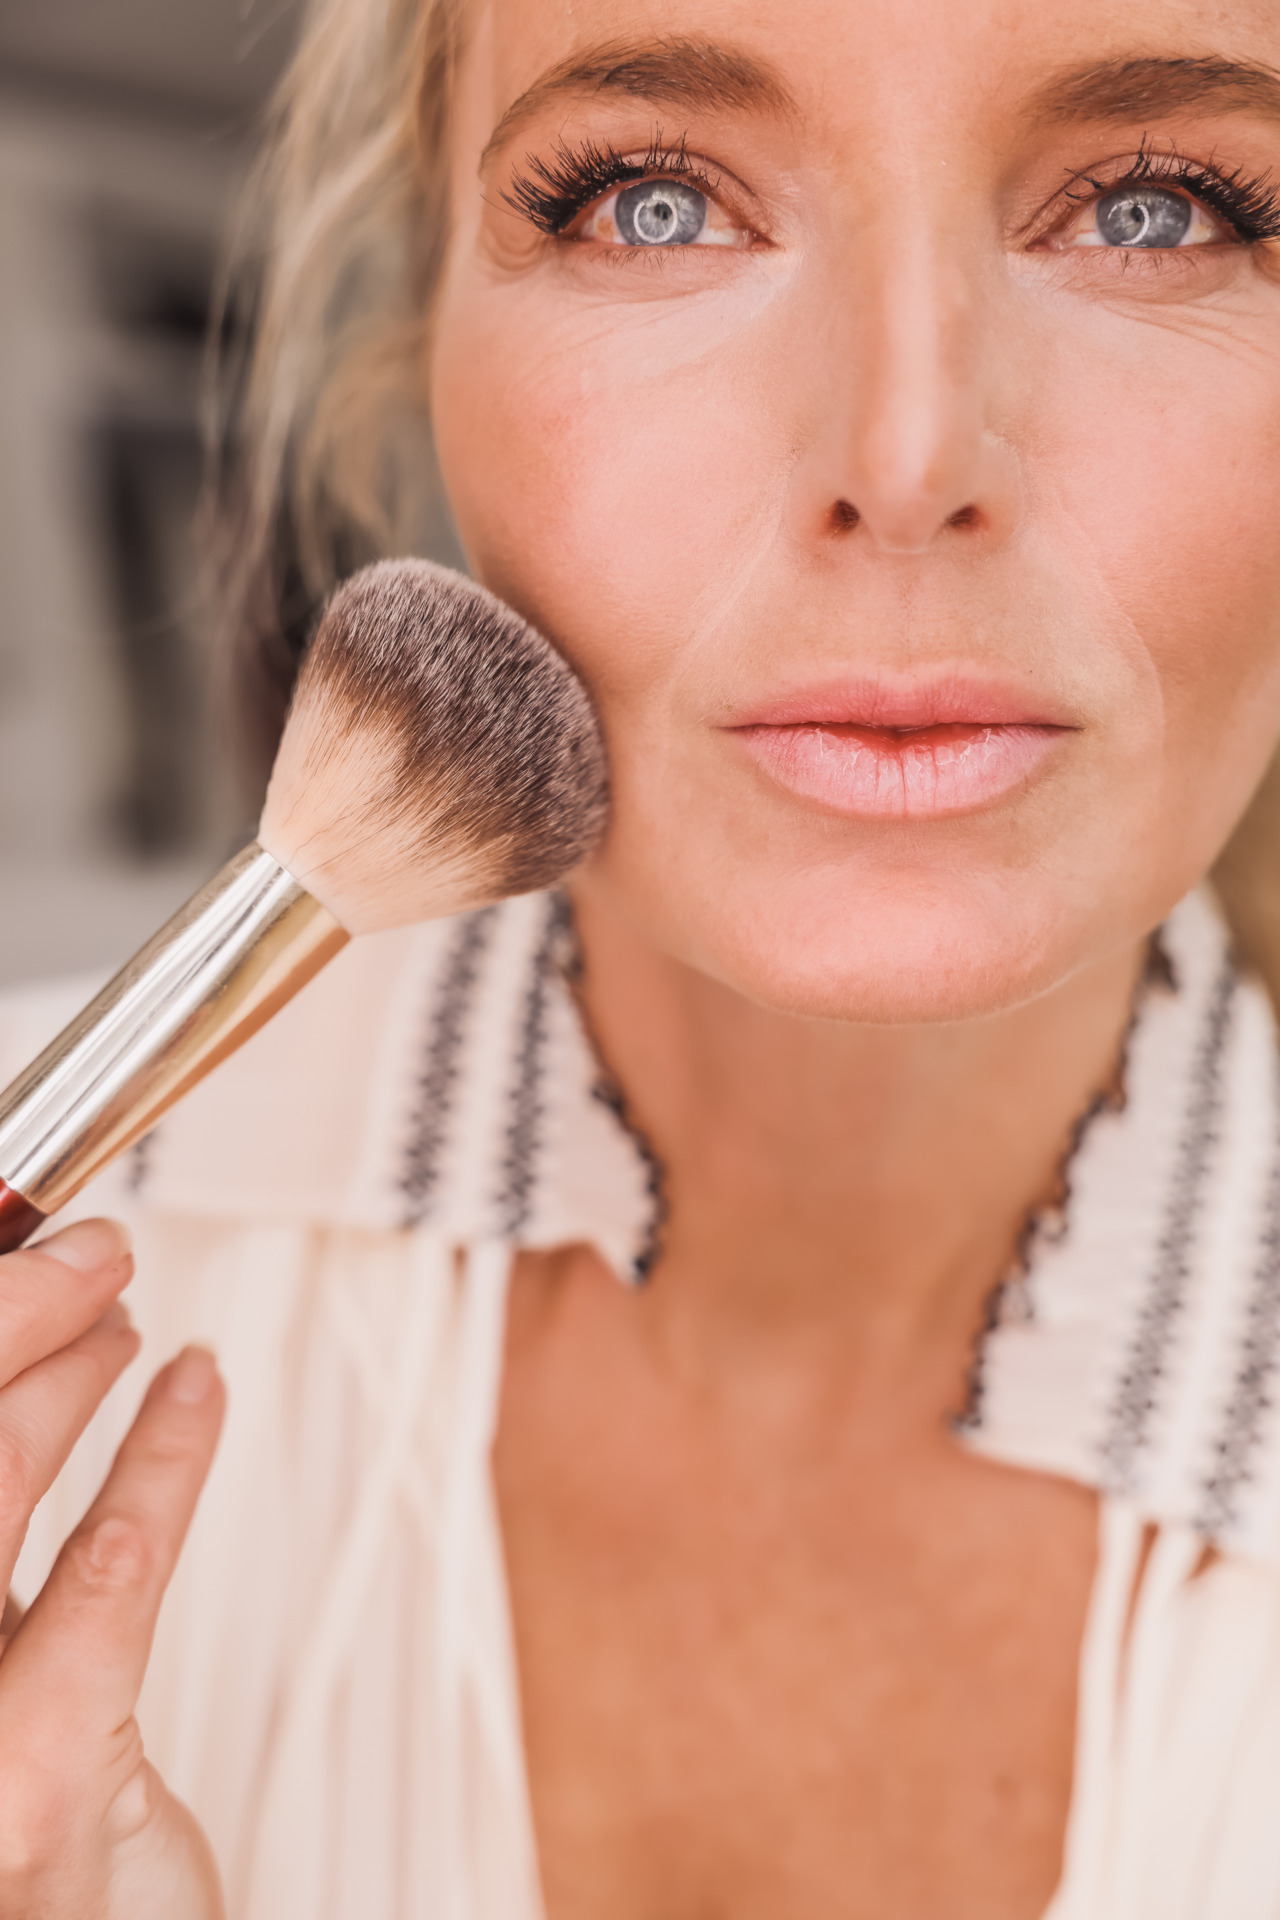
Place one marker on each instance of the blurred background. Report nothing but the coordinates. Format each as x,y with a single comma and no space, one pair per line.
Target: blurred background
125,130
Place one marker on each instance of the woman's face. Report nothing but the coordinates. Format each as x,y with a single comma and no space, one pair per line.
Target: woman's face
880,405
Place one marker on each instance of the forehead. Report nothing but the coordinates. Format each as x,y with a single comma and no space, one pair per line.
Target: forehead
826,60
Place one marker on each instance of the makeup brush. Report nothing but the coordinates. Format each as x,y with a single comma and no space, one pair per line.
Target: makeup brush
438,755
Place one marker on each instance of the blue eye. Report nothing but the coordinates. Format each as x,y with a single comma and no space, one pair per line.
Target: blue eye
660,213
1143,217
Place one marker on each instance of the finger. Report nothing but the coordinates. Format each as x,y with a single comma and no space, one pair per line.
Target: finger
74,1667
42,1415
53,1292
9,1621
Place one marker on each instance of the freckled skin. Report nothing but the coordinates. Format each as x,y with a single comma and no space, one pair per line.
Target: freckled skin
784,1649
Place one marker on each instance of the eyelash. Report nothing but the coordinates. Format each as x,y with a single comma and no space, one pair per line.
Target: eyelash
1250,205
554,192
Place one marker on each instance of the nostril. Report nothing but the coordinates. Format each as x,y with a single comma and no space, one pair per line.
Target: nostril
844,517
965,517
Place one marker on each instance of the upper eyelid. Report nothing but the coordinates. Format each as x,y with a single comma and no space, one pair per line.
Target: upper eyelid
700,184
710,173
1178,172
1095,185
698,170
688,177
1130,167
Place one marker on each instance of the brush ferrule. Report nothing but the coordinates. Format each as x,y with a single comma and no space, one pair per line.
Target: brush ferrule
221,967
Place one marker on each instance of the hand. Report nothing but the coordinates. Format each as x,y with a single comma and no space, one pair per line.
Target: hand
88,1830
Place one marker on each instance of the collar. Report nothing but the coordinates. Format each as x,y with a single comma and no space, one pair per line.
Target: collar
1139,1350
440,1080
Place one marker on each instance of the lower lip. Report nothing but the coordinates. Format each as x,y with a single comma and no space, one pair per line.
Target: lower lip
903,774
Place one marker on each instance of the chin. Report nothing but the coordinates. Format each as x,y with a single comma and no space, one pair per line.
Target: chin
883,948
904,953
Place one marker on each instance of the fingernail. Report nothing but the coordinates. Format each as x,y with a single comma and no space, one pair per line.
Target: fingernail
192,1375
89,1245
116,1319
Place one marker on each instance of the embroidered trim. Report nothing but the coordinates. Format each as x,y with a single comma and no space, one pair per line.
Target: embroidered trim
1252,1398
610,1095
437,1083
1012,1298
527,1108
607,1090
1137,1394
141,1161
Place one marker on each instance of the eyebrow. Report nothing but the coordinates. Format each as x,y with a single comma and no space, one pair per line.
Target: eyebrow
1142,88
694,73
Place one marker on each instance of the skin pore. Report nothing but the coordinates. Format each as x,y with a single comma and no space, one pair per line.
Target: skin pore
898,446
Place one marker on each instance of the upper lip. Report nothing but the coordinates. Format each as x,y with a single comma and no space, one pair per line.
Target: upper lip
953,698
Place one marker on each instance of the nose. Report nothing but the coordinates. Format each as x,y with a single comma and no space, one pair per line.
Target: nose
911,459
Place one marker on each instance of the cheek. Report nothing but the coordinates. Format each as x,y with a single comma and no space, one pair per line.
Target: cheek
1170,474
615,484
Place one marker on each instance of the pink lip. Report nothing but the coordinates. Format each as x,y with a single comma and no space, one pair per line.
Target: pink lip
908,751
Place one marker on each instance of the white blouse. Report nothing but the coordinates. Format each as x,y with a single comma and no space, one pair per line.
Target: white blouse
333,1687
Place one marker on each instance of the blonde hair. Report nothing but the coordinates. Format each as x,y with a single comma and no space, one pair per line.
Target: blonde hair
345,222
323,454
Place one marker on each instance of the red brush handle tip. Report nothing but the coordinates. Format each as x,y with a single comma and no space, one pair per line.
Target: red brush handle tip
18,1219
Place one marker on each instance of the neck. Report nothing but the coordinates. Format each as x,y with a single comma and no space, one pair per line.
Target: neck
843,1198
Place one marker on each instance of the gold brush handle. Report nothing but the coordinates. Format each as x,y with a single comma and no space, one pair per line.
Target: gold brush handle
218,971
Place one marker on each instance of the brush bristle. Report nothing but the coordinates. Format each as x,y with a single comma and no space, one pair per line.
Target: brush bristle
438,754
